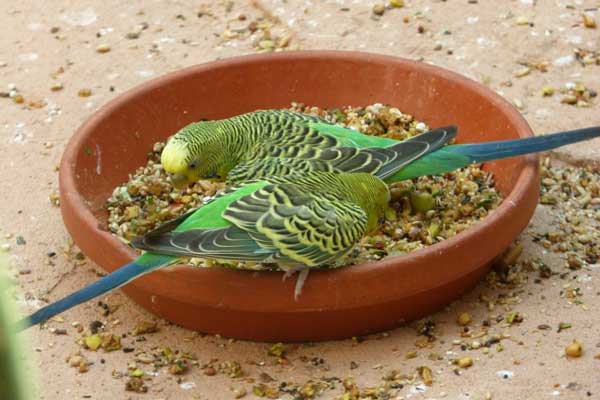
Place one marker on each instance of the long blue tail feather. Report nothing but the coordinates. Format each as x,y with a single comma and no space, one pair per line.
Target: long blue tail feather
453,157
144,264
480,152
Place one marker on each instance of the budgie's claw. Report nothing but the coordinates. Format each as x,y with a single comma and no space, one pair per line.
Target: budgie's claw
302,275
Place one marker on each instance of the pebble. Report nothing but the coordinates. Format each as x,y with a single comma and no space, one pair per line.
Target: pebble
504,374
421,127
187,385
132,35
378,9
239,393
564,61
518,103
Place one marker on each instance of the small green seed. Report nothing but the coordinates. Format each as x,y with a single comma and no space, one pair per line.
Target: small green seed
463,319
422,201
390,214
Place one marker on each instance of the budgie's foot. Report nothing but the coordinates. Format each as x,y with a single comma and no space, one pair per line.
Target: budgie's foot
302,275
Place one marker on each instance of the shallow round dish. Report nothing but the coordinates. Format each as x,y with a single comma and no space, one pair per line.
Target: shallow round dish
336,303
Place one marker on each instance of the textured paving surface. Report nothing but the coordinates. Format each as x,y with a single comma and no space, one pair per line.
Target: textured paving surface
490,42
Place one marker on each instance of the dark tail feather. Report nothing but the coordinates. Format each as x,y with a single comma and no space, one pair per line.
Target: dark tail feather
434,139
112,281
481,152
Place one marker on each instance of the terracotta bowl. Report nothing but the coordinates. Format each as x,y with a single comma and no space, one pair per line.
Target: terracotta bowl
334,304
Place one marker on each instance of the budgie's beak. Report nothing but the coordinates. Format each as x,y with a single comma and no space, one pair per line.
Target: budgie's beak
179,181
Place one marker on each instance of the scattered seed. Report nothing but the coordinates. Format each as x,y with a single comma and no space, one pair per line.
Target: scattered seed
569,99
574,350
547,91
522,72
103,48
464,362
463,319
589,21
277,350
84,93
144,327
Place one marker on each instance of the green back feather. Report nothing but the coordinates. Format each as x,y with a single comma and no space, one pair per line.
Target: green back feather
349,137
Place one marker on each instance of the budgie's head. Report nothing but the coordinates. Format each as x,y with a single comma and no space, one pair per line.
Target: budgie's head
196,152
378,204
372,195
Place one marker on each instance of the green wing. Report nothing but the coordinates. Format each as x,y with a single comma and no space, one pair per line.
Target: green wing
272,160
275,223
303,227
207,216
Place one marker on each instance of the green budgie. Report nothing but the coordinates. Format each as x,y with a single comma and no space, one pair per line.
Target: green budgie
297,221
235,149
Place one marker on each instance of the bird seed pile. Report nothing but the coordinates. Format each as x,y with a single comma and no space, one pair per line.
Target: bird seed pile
423,211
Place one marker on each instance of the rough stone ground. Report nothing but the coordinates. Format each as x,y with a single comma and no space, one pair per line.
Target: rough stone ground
488,42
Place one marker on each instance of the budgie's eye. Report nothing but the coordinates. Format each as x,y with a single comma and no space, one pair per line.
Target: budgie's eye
193,164
381,221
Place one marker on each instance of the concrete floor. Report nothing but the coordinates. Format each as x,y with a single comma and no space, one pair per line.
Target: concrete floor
490,42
